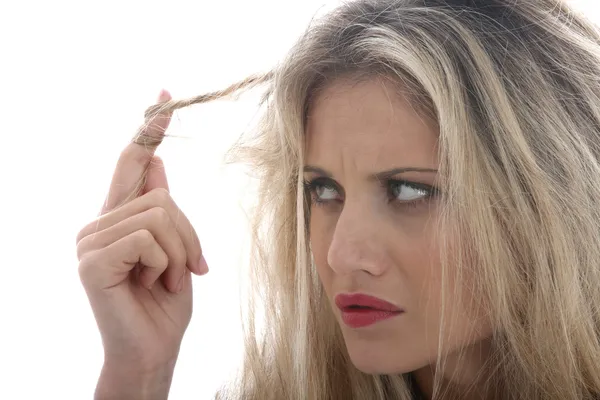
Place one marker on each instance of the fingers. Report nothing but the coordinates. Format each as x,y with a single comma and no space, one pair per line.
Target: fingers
157,198
121,257
158,223
134,160
157,176
139,211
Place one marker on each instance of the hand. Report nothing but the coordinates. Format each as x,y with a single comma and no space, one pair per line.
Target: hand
135,263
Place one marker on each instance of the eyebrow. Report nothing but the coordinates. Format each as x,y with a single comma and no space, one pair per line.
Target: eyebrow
381,176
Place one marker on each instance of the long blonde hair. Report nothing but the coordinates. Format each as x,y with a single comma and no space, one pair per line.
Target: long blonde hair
514,88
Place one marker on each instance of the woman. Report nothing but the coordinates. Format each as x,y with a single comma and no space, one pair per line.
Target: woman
429,220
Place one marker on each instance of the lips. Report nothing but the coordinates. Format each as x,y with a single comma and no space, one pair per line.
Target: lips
360,310
363,301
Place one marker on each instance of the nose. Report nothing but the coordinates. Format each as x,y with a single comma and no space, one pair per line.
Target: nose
358,243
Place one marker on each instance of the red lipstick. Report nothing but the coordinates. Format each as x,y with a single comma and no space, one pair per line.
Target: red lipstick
360,310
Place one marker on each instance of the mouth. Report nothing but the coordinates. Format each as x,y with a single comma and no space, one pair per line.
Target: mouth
357,307
360,310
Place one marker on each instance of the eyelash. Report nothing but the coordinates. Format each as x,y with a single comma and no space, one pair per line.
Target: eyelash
311,186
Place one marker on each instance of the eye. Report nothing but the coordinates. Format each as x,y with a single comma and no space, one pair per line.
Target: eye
325,193
407,191
406,194
322,190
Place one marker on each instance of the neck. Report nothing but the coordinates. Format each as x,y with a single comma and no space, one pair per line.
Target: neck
459,373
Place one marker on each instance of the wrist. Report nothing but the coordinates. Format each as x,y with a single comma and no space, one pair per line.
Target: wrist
125,381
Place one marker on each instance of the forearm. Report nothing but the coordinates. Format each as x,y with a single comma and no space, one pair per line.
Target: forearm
118,382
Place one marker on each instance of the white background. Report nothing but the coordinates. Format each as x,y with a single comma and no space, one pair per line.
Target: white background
75,78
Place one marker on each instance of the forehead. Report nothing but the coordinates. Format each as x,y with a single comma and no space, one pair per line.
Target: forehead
371,120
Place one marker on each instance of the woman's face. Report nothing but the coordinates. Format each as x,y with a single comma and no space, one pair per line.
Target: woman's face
370,166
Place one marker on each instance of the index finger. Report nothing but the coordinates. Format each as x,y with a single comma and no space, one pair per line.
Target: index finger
130,172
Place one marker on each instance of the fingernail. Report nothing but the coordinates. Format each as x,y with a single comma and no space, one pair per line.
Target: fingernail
164,95
202,266
180,284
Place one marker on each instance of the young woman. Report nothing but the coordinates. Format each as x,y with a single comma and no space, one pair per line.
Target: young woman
429,220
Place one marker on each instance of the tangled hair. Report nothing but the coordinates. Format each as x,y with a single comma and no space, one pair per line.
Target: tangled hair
514,89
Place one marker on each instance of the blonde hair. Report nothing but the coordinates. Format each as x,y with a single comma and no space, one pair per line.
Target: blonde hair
514,89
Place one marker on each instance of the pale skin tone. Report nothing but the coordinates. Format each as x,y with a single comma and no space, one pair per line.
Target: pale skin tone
376,236
141,319
136,260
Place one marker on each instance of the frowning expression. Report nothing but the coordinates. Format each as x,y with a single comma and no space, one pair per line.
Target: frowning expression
370,168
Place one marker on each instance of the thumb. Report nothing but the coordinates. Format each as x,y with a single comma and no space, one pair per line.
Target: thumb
156,176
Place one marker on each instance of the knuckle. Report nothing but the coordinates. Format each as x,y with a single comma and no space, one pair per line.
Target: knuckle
162,196
160,216
82,248
162,260
87,264
79,237
143,238
83,233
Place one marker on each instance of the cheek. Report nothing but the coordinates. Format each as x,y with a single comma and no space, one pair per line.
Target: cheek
449,296
320,240
426,281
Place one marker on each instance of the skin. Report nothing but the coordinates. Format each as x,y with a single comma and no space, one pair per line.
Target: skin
368,238
142,313
136,260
